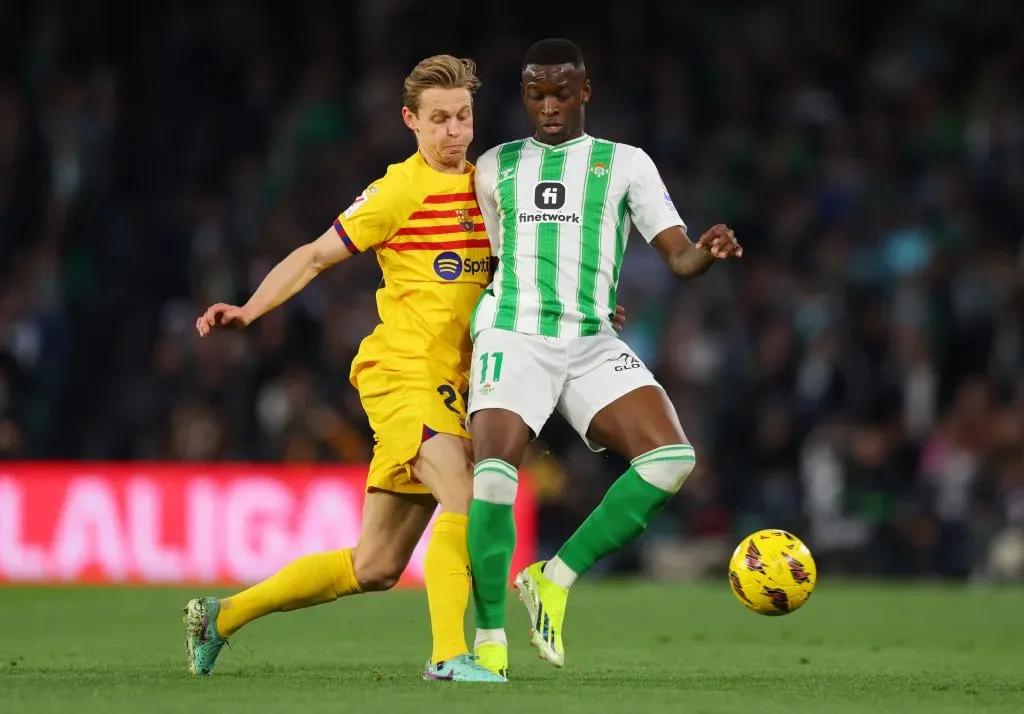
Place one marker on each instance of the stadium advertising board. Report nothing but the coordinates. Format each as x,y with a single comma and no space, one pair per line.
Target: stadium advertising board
178,524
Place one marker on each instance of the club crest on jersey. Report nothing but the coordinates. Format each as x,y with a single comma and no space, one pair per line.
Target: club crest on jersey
465,222
599,169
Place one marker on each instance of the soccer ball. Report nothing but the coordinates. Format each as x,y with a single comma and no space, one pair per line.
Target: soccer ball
772,572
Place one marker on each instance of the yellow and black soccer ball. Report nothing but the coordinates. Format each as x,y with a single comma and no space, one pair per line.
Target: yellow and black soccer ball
772,572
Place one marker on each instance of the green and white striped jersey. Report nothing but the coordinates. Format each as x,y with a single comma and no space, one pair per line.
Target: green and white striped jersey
558,218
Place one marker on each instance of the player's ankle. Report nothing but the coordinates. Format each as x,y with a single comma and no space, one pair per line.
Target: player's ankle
559,573
490,636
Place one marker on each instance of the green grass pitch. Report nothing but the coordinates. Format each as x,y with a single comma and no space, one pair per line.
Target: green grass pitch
631,648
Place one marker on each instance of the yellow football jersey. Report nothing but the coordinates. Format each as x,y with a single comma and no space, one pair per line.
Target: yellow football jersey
433,251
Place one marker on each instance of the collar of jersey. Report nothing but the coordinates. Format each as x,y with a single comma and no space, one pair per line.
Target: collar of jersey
564,145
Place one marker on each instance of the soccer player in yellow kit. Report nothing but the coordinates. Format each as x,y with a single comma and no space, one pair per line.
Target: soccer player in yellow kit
422,221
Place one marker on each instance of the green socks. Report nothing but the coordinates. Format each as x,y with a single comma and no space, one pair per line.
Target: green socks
492,539
624,513
633,500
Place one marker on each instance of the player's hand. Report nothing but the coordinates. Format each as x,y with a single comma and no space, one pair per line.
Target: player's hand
221,315
619,318
720,241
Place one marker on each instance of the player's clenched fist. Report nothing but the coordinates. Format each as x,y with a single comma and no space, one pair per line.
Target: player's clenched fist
221,315
720,241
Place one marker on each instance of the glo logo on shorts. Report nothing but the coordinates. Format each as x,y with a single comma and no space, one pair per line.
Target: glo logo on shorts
448,265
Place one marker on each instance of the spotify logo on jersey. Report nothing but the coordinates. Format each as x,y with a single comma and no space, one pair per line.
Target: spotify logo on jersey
549,195
448,265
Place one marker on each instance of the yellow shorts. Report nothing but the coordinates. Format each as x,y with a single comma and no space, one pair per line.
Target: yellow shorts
403,412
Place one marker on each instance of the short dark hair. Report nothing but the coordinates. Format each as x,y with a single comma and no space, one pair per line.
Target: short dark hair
553,51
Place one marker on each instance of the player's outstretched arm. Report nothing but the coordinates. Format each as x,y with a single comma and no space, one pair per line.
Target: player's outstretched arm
658,221
688,260
287,278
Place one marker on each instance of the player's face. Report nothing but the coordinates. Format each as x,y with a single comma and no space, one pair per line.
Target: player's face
554,95
443,124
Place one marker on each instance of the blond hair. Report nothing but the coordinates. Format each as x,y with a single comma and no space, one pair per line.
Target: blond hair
441,72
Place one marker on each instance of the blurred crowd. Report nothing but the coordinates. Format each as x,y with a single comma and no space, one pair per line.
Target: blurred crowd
857,378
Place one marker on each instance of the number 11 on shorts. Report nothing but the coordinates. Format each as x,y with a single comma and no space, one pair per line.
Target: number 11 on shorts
485,362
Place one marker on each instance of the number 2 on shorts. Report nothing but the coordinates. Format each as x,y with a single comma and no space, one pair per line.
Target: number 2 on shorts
485,361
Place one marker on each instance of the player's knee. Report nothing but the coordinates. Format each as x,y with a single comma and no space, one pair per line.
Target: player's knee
444,464
499,434
457,492
377,571
667,467
495,481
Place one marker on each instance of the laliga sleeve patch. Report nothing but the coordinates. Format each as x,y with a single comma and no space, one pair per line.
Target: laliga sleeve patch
668,198
359,201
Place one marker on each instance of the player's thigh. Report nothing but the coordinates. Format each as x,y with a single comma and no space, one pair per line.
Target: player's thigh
613,401
637,422
405,411
445,466
393,524
514,385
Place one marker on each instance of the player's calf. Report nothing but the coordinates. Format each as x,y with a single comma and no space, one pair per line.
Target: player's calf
491,545
492,541
443,465
626,510
642,426
624,513
500,439
393,524
376,570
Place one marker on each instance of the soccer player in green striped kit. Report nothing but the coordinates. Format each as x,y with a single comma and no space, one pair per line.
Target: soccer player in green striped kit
558,208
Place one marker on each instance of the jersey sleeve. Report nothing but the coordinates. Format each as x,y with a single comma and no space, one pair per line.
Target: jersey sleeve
650,205
376,213
485,187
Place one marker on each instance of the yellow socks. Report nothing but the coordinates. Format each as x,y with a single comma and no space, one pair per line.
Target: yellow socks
311,580
446,572
324,577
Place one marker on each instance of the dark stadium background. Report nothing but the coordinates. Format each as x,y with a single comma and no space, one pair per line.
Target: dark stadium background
857,378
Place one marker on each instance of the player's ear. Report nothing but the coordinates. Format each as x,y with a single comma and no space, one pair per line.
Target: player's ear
410,119
586,91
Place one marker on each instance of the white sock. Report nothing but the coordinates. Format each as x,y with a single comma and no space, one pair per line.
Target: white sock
559,573
484,637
